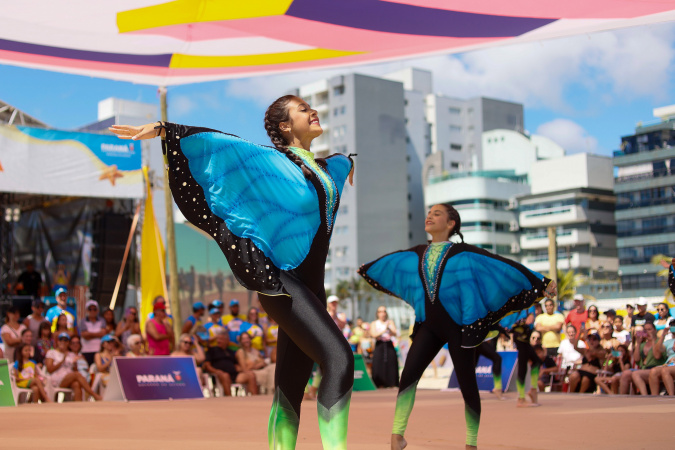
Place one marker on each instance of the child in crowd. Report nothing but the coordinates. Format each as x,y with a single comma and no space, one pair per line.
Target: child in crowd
26,373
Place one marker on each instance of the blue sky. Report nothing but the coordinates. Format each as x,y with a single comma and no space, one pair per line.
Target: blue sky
585,92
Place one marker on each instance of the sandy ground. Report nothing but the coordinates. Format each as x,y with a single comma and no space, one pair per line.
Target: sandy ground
564,421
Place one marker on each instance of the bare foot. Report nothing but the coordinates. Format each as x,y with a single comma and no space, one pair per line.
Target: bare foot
522,403
97,397
398,442
498,393
470,447
534,395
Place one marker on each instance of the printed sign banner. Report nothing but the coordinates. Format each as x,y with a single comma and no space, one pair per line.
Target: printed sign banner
6,394
44,161
362,381
153,378
484,373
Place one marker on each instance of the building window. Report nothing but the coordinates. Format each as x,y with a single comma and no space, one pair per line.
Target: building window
457,147
454,110
335,111
343,109
454,165
456,128
339,90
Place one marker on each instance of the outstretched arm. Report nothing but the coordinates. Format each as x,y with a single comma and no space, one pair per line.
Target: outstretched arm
147,131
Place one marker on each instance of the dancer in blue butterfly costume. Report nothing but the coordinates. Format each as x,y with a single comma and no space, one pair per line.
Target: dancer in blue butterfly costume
458,292
271,210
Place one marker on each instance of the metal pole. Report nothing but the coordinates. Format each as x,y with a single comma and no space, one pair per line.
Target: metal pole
174,301
552,254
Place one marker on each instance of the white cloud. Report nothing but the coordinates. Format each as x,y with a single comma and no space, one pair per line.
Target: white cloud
182,105
569,135
629,63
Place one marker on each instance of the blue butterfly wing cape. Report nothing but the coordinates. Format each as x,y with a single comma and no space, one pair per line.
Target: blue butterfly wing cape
253,200
477,288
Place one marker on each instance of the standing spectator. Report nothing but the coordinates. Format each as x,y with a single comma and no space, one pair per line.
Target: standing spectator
250,360
61,277
642,317
109,318
160,332
579,314
29,281
622,335
128,326
92,329
194,321
44,342
385,361
666,371
135,345
649,353
619,362
548,366
221,362
234,312
62,365
339,318
61,324
571,347
75,347
594,356
33,321
662,317
61,307
218,304
254,329
213,326
607,339
628,322
550,324
11,332
593,321
219,281
26,374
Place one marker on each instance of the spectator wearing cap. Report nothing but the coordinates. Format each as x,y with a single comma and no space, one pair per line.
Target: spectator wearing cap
332,305
578,315
194,321
594,356
33,321
610,314
61,307
234,313
129,325
662,317
550,324
218,304
159,332
92,329
213,326
642,316
104,358
135,345
621,334
11,332
62,366
29,281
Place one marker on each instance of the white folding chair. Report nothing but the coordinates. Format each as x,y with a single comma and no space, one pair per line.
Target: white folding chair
19,393
58,394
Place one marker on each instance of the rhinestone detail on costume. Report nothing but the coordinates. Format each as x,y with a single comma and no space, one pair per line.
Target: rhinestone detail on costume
326,180
434,255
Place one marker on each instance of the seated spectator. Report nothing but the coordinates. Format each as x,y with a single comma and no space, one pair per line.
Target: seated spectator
188,346
75,347
593,321
104,358
250,359
26,373
254,329
222,362
109,318
607,339
234,325
33,321
128,325
44,342
610,315
535,338
61,324
135,346
547,369
62,365
620,333
27,338
571,348
92,328
213,326
11,332
662,317
649,354
159,332
584,377
609,378
666,372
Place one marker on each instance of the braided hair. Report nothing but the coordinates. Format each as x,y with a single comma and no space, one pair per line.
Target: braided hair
454,215
276,113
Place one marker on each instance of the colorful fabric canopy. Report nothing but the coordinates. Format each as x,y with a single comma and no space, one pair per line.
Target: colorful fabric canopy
184,41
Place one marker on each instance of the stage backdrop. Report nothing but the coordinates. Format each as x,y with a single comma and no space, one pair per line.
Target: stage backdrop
54,162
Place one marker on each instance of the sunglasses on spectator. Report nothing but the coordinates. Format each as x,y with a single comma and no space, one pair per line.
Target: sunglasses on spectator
92,308
186,342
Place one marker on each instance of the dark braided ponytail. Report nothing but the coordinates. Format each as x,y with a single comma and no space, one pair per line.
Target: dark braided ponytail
454,215
276,113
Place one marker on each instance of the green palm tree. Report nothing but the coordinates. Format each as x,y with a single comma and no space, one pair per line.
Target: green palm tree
568,283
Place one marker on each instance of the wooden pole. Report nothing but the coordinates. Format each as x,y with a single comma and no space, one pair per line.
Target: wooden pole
552,254
174,301
134,223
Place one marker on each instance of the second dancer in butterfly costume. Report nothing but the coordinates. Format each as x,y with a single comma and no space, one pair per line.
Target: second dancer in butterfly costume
458,292
272,210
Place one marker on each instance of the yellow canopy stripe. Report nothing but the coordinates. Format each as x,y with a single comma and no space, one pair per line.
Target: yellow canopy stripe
191,11
180,61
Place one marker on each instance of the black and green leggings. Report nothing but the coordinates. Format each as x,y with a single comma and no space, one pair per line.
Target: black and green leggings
430,337
526,354
308,334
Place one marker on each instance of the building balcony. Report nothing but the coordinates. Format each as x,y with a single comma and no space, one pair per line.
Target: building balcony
552,216
541,264
563,238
